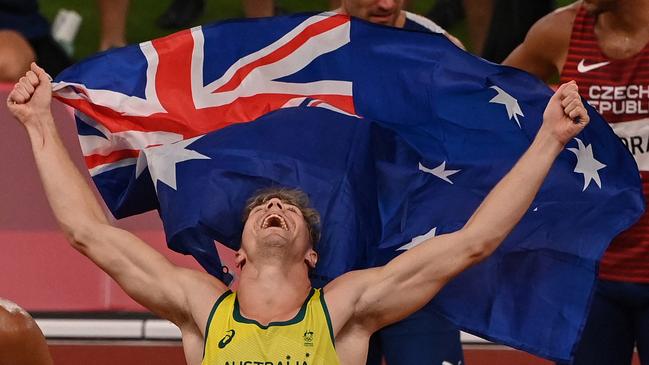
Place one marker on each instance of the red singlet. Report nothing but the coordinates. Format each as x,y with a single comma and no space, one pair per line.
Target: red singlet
619,90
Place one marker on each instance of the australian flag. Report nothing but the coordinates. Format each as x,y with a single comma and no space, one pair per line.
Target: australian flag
395,135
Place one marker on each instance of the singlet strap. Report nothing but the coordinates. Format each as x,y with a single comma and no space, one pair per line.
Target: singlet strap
209,319
325,310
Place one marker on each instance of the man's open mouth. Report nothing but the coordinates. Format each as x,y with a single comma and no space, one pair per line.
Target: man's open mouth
274,220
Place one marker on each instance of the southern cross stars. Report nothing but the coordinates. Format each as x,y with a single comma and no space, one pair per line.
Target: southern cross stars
587,164
513,109
161,161
439,171
418,240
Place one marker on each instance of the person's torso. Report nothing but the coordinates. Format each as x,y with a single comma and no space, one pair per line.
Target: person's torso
307,339
619,90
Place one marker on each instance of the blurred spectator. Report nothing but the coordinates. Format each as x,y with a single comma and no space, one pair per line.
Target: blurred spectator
21,341
448,13
113,23
25,37
510,21
182,13
258,8
478,19
390,12
604,46
495,27
335,4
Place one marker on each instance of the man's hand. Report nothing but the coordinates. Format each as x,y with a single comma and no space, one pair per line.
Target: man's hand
179,295
30,99
565,115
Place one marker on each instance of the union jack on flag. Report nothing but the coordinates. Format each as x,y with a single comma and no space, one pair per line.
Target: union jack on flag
179,95
396,136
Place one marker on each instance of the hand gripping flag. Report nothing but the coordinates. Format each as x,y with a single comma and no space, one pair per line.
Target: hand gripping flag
396,136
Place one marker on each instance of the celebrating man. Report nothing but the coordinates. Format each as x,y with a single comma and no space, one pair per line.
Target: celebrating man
276,316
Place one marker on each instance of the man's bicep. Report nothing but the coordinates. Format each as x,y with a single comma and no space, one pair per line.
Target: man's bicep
386,294
369,299
141,271
543,51
529,57
343,296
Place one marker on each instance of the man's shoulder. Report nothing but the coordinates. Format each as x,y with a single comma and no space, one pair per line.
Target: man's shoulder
549,37
202,290
559,22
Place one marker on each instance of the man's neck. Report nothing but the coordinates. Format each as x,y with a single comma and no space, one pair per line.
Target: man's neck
272,293
622,32
628,16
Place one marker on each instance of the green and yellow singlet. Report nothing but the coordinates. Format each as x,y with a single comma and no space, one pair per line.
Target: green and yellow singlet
307,339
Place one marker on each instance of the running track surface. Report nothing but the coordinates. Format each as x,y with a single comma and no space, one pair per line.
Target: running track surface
171,354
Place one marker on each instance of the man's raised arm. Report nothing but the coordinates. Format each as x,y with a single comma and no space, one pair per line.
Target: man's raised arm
145,274
376,297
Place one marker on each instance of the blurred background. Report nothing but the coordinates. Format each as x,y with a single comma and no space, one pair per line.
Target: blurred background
141,20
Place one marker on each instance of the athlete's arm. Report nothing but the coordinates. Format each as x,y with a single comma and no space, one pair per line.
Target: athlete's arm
544,50
145,274
371,299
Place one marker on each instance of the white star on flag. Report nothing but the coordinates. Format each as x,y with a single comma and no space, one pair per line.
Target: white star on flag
587,164
439,171
161,161
418,240
513,109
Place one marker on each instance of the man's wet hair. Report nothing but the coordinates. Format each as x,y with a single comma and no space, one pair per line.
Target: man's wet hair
290,196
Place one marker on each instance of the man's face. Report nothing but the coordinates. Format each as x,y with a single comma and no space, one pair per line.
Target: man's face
599,6
276,228
384,12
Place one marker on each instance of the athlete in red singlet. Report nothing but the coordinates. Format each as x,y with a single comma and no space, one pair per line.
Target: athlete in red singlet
619,90
604,46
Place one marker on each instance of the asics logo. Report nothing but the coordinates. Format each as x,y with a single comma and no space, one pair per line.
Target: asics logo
229,335
583,68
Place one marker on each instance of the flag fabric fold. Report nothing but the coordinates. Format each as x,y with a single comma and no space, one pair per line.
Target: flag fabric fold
395,135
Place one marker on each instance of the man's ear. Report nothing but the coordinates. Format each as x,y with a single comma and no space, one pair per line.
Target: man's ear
240,258
311,258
